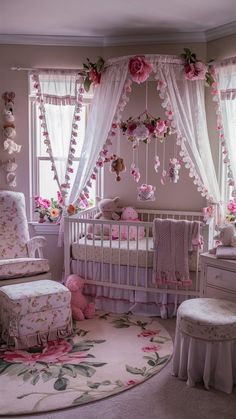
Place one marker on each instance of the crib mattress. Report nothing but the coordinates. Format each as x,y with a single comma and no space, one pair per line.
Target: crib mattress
116,252
121,252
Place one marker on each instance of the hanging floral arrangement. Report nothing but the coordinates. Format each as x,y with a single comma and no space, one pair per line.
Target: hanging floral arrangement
92,72
145,128
195,69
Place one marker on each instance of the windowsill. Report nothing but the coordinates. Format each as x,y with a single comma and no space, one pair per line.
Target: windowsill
45,228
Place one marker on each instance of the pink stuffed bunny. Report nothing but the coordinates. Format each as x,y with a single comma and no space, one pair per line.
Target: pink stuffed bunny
130,214
81,309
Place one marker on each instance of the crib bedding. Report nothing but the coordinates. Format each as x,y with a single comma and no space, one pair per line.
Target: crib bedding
123,252
121,300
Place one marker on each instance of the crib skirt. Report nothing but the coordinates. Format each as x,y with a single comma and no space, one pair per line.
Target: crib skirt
119,300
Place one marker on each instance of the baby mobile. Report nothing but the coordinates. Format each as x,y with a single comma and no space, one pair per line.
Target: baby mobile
9,133
144,129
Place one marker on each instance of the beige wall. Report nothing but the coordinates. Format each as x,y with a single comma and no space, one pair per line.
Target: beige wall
181,196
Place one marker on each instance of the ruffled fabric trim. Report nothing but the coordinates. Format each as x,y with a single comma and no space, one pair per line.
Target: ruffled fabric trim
37,339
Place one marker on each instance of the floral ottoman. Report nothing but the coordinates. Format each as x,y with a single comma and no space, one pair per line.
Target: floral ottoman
34,312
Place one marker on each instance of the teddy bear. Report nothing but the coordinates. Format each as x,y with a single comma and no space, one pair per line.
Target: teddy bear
226,234
80,307
108,210
118,166
131,233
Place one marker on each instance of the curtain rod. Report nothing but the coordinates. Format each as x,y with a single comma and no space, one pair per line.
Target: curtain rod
18,68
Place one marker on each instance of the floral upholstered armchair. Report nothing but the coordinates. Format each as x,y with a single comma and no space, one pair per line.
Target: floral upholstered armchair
21,258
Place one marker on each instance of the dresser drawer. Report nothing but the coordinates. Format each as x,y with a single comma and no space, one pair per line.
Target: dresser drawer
212,292
221,278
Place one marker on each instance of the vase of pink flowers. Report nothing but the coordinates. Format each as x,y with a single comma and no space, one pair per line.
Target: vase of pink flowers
231,207
49,209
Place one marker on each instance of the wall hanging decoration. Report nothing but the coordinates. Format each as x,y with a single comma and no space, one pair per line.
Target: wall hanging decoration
9,129
9,134
10,167
195,69
92,72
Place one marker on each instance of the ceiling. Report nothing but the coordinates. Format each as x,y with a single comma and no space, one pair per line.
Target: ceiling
107,22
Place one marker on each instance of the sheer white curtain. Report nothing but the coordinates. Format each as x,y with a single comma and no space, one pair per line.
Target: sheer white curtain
226,75
188,104
59,96
103,109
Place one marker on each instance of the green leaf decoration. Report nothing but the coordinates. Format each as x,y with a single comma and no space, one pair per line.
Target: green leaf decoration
151,363
100,64
61,384
85,370
95,364
106,383
120,323
133,370
82,332
85,398
93,385
46,376
35,379
162,360
87,84
69,370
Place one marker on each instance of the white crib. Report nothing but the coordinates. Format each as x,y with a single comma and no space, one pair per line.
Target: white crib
121,270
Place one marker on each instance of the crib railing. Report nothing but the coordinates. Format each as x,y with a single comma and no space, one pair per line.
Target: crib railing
110,252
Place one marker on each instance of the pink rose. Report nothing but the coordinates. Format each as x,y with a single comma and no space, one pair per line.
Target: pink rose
55,351
161,127
139,68
152,348
94,76
195,71
147,333
131,128
232,207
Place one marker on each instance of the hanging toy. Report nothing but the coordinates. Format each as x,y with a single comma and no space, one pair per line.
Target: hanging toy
146,192
118,166
134,171
157,163
173,172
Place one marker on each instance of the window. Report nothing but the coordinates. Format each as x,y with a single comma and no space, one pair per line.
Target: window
42,177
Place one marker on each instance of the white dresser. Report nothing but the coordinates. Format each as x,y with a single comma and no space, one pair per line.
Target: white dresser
218,277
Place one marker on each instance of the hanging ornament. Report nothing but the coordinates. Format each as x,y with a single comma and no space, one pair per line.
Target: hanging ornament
173,172
118,166
157,163
134,171
146,192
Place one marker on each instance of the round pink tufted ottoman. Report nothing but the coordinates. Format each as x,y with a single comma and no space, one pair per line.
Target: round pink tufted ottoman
205,343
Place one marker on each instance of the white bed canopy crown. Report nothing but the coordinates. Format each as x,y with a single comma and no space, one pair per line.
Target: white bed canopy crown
184,103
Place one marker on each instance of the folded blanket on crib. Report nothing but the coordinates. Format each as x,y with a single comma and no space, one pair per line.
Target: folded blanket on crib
173,240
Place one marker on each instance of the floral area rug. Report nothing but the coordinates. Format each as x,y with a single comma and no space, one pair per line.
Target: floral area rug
106,355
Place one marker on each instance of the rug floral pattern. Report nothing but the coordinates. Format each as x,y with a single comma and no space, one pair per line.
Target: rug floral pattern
106,355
